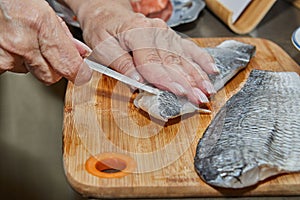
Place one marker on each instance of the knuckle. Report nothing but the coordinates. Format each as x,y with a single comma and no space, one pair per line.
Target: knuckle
156,22
152,58
6,61
123,65
42,73
142,22
170,59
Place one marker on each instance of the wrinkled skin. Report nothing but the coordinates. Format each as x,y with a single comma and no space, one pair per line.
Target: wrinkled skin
144,49
34,39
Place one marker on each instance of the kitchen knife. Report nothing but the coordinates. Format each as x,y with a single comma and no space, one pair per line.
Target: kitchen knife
120,77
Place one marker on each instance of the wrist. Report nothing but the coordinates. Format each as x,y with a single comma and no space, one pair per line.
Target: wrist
76,5
102,10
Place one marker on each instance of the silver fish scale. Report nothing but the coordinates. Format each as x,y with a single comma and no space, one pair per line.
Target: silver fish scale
230,57
255,135
169,105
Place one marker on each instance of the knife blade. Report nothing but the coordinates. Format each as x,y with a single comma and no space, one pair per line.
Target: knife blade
120,77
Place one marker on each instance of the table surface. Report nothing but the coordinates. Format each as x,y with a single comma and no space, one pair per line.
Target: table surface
31,114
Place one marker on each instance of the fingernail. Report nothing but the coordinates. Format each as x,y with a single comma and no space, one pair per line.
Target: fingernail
83,45
84,50
214,68
178,88
84,74
209,87
200,95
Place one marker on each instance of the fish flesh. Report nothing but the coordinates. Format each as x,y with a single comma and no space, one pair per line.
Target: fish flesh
230,56
165,105
147,7
255,135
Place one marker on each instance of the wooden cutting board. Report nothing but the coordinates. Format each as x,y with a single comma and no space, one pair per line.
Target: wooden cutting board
111,149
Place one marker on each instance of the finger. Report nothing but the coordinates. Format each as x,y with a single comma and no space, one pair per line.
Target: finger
197,77
59,50
84,74
201,57
146,60
82,48
185,74
171,62
184,80
124,65
156,74
179,84
188,71
11,62
40,68
33,62
44,74
110,53
149,65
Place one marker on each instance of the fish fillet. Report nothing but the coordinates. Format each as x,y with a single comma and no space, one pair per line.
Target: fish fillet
165,105
148,7
230,57
255,135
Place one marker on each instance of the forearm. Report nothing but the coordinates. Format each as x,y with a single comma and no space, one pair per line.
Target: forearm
105,12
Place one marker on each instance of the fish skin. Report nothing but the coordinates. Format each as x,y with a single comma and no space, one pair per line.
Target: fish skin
169,105
256,134
166,105
230,56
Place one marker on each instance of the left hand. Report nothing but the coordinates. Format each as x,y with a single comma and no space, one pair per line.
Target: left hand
144,49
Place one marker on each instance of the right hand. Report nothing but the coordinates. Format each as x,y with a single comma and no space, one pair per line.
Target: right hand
34,39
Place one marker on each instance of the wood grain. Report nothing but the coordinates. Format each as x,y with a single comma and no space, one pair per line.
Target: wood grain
296,3
248,20
100,118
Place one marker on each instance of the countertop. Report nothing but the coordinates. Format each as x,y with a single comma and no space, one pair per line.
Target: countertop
31,114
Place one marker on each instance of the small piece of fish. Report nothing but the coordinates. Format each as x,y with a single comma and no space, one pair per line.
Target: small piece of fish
148,7
230,56
165,105
255,135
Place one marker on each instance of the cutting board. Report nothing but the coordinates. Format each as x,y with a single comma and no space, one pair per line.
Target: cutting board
111,149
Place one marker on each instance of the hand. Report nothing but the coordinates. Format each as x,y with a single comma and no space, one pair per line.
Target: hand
34,39
144,49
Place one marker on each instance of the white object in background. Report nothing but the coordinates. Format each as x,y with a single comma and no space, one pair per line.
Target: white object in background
296,38
235,6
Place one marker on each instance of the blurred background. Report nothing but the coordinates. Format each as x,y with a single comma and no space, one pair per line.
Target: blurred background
31,114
